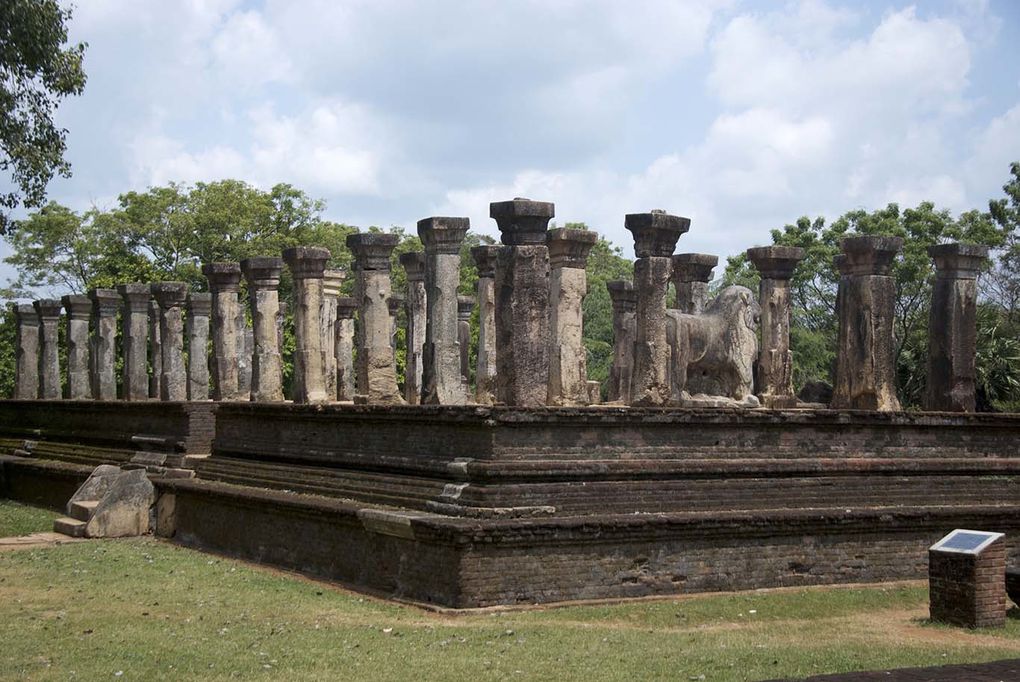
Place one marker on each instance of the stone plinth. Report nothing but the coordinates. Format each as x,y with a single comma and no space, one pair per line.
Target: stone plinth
346,307
441,376
952,328
624,299
155,350
307,265
173,380
48,310
692,273
375,369
134,330
224,284
774,380
26,352
865,305
465,307
485,357
967,579
262,275
522,302
103,347
568,285
199,309
414,265
79,310
655,237
331,282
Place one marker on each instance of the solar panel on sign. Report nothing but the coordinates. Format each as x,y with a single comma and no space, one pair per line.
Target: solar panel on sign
965,542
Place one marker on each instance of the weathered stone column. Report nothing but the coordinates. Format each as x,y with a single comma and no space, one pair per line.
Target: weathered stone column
774,380
134,334
263,277
441,376
865,305
465,306
49,348
568,365
245,351
197,330
394,303
522,301
224,285
155,351
624,298
79,310
346,307
281,319
655,237
103,347
952,328
331,281
376,369
307,265
173,381
416,299
485,357
26,352
692,273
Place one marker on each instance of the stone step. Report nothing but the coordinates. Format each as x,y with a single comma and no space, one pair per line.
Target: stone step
69,526
83,509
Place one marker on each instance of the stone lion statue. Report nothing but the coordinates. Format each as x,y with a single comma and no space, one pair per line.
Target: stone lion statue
713,353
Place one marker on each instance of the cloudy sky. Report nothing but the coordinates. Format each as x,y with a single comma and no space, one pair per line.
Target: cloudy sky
739,115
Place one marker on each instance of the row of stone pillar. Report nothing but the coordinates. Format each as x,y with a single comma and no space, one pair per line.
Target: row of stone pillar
865,370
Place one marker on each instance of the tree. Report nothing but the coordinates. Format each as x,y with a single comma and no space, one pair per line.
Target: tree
813,287
36,72
1004,279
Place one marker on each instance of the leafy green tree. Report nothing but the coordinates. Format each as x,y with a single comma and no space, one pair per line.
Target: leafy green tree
1003,282
36,72
813,287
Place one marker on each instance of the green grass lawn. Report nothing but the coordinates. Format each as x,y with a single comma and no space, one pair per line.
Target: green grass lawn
20,519
145,609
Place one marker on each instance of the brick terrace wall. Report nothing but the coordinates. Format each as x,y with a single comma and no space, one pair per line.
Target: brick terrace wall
100,432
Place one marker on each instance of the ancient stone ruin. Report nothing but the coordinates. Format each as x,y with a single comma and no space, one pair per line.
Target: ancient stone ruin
513,478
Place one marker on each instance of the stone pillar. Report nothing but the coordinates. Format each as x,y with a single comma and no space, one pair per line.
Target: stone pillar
245,350
774,380
376,370
485,357
568,285
522,301
624,299
26,352
394,303
49,348
197,330
307,265
134,334
281,319
414,265
170,297
441,376
103,347
79,310
155,351
865,306
263,277
345,309
224,284
655,237
691,274
331,281
952,329
465,306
